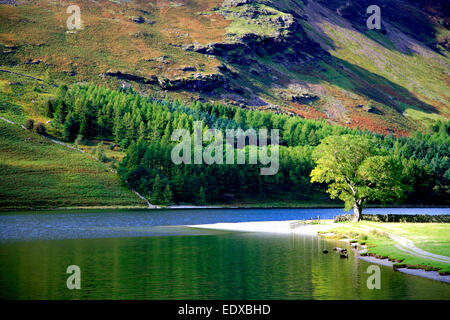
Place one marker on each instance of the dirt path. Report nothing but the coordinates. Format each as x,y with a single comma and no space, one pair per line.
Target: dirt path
20,74
408,246
150,206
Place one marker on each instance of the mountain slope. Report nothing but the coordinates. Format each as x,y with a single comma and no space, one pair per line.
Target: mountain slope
315,59
36,173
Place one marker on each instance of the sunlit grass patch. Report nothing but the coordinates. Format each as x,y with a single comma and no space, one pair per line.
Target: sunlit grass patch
432,237
36,173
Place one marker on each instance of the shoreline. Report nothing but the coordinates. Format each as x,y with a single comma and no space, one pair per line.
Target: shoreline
433,275
283,227
194,207
177,207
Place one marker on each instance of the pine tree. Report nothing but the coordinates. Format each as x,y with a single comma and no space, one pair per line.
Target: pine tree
200,198
312,138
156,196
167,132
50,107
142,132
84,126
129,127
178,184
61,92
167,196
60,112
70,129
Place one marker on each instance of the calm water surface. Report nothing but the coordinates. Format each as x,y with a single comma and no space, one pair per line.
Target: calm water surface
150,255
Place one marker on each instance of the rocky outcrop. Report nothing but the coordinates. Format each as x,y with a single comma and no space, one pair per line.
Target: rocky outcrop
138,19
9,49
370,109
445,44
270,32
188,68
141,20
198,83
236,3
33,61
131,77
374,110
305,98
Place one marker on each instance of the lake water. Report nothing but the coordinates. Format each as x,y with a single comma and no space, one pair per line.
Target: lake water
140,254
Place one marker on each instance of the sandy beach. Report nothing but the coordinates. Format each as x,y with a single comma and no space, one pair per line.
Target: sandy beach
280,227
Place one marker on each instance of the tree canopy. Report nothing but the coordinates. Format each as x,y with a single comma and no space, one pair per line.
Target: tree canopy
356,171
142,127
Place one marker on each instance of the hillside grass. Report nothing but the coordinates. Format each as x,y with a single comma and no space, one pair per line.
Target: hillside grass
22,98
108,38
366,67
36,173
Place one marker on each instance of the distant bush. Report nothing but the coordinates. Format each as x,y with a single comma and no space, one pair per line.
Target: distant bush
100,154
37,88
343,218
40,129
418,218
378,233
363,236
114,163
79,140
29,124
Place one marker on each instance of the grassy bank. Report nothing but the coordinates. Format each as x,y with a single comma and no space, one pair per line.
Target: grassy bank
36,173
431,237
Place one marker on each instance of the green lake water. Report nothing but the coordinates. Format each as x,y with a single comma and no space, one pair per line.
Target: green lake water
165,262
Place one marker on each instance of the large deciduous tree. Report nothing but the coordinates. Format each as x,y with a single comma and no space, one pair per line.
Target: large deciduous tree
356,171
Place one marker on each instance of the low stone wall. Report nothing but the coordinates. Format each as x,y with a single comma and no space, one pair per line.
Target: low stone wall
445,218
418,218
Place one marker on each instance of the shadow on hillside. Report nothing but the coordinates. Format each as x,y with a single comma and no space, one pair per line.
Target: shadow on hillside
345,75
373,86
402,23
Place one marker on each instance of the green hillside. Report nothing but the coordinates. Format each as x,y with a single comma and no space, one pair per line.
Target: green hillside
36,173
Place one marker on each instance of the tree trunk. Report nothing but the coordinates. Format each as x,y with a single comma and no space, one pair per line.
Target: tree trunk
357,211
